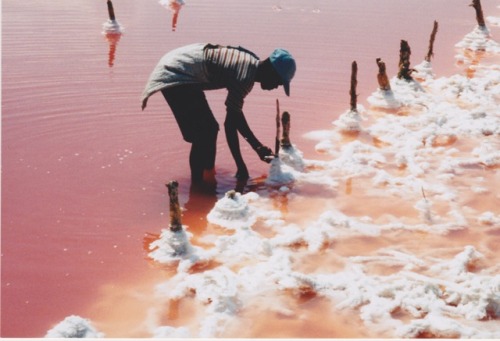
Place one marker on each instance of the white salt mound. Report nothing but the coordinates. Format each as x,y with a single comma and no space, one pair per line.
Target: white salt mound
112,27
233,211
74,327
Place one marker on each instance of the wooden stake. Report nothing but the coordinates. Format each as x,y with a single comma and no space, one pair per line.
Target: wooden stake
383,80
175,210
277,141
285,122
430,52
231,194
404,61
111,11
479,12
354,83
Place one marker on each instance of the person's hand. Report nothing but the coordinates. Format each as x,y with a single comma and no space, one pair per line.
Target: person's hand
265,153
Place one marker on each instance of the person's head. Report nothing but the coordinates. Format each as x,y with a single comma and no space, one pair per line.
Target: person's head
276,70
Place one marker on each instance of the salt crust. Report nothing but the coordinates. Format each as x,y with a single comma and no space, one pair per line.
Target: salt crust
441,297
480,40
74,327
350,121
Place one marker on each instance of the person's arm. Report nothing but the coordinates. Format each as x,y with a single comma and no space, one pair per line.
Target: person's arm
231,129
236,122
244,129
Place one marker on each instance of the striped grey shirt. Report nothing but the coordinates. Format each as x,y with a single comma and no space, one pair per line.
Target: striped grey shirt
211,66
233,68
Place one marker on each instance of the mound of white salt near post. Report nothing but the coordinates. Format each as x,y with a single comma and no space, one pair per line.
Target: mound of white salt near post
291,167
233,211
423,71
174,248
402,93
479,39
74,327
350,121
280,173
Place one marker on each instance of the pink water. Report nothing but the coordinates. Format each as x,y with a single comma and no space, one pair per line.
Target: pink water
83,169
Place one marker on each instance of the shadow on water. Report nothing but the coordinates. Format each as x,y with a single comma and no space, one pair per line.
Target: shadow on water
175,7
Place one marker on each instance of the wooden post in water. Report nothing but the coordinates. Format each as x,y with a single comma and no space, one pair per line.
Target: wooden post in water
479,12
277,141
404,61
430,52
175,210
383,80
111,11
354,84
285,122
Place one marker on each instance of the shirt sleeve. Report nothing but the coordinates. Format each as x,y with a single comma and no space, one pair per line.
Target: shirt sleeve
236,98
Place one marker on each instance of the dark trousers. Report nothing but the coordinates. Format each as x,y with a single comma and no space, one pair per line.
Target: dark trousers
197,124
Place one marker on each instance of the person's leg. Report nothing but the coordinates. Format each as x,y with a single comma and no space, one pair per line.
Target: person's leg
197,124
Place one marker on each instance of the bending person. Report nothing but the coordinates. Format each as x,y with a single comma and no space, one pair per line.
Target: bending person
182,75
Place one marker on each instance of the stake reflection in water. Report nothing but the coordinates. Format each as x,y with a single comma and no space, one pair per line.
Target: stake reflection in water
113,39
175,6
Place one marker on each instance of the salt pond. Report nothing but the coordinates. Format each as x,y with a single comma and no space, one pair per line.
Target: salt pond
446,291
385,223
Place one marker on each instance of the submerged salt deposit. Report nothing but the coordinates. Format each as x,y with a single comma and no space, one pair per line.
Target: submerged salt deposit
431,145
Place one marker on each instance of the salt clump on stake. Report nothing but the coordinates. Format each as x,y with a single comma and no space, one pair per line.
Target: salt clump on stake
405,86
424,69
233,211
403,90
289,154
384,97
349,122
280,173
477,42
173,246
288,165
